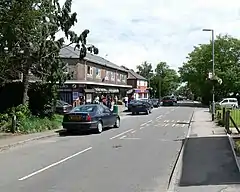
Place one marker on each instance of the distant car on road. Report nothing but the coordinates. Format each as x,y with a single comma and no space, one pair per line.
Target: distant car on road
90,117
156,102
167,101
147,100
63,107
141,106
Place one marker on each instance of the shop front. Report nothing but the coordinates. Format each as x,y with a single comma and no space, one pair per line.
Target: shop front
138,94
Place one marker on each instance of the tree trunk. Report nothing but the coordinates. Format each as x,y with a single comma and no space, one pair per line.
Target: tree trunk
25,81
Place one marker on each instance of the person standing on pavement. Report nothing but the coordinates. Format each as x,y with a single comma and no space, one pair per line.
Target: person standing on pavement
126,101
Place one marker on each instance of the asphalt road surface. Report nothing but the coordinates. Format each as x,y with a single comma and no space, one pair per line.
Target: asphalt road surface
138,156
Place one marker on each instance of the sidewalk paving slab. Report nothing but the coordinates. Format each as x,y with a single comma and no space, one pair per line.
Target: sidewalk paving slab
207,162
10,140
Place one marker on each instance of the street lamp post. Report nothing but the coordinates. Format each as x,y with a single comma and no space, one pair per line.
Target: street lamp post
213,73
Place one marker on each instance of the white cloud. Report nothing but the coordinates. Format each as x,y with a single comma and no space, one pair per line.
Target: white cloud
132,31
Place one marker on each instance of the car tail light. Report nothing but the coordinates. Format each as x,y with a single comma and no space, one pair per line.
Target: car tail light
88,118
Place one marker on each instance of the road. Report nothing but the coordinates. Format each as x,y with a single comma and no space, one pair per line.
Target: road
138,156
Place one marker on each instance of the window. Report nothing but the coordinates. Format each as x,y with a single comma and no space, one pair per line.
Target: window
124,78
89,71
98,73
112,76
85,108
118,77
107,75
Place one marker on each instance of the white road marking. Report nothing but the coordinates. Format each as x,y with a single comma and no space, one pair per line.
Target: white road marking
166,125
133,131
146,123
123,137
121,134
142,127
54,164
183,125
173,125
173,121
159,117
178,121
131,138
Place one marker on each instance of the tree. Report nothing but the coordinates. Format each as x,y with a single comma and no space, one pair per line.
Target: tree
195,71
145,70
165,81
28,40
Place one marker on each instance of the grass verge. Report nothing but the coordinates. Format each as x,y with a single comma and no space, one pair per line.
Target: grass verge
235,114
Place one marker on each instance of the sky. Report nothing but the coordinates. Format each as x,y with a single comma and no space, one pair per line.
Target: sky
129,32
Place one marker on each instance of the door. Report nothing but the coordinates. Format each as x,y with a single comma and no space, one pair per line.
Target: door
109,117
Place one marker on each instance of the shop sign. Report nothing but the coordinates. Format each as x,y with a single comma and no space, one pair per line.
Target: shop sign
113,90
101,90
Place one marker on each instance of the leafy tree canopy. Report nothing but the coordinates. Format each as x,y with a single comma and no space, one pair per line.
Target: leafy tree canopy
28,40
199,64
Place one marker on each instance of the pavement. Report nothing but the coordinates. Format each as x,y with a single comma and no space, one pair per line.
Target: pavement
206,162
138,156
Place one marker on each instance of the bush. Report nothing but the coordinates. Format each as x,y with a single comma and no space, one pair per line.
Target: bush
35,124
27,123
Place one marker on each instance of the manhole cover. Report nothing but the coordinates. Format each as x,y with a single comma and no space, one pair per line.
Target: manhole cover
117,146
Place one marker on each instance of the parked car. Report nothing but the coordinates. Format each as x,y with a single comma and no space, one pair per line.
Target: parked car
63,107
229,103
167,101
156,102
90,117
141,106
174,99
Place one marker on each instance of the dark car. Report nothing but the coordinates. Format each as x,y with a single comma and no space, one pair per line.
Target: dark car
149,101
63,107
167,101
141,106
90,117
155,102
130,104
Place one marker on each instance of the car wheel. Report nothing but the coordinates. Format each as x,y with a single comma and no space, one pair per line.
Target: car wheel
117,123
99,127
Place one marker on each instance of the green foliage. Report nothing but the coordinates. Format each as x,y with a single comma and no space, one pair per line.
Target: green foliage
35,124
27,123
164,81
195,70
145,70
28,43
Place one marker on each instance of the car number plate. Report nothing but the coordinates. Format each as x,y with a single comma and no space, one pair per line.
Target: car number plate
75,118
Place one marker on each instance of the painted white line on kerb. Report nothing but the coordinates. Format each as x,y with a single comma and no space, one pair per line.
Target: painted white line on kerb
173,125
123,137
54,164
166,125
121,134
183,125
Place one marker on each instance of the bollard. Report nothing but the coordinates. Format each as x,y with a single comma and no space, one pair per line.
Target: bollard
224,115
227,122
14,124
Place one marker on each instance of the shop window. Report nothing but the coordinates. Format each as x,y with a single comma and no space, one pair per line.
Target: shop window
124,78
89,71
112,76
98,73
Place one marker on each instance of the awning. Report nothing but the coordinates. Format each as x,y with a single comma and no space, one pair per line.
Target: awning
101,90
89,90
113,90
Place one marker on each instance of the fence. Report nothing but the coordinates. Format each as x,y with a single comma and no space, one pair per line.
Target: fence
228,118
